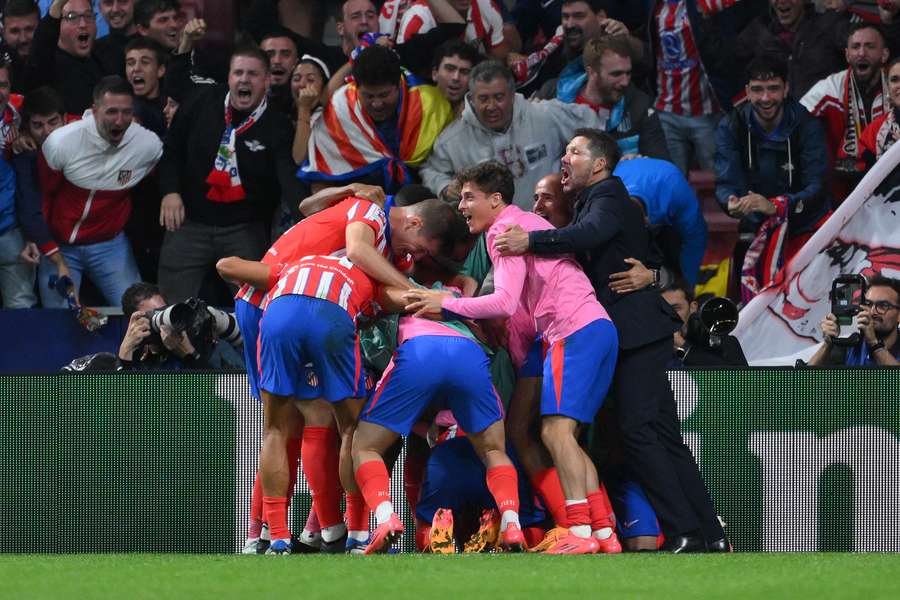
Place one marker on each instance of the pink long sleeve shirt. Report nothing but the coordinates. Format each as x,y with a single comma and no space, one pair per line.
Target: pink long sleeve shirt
554,290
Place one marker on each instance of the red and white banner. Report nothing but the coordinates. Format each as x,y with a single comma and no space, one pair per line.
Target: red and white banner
781,324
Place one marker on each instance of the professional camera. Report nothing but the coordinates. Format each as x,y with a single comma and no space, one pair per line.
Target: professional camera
202,324
847,295
707,342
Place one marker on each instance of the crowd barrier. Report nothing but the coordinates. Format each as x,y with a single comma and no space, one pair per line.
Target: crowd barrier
796,460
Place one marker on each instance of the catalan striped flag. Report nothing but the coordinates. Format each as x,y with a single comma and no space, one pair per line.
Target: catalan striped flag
344,143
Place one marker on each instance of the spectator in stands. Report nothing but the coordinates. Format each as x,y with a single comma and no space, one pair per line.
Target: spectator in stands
308,83
16,275
527,137
673,212
63,57
884,131
119,14
162,21
878,322
605,85
696,73
582,20
43,112
86,170
690,343
280,47
847,101
172,351
551,202
145,66
20,21
227,162
453,64
406,117
811,43
771,160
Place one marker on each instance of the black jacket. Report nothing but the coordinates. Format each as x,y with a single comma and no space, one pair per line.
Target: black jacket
267,172
606,229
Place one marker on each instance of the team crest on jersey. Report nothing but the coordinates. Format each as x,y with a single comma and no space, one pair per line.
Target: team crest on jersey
124,176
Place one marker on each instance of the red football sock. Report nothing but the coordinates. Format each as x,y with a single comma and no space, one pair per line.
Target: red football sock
547,484
578,514
256,508
503,483
275,511
293,456
423,536
357,513
533,535
320,465
413,475
312,520
599,507
374,483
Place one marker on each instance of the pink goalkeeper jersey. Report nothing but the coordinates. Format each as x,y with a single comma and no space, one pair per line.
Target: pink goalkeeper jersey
554,290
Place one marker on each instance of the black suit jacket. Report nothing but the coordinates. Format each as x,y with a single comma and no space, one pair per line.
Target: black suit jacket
607,228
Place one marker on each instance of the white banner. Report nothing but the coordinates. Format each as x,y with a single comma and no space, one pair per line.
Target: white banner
781,324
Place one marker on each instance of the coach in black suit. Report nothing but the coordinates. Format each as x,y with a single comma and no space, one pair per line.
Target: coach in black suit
608,228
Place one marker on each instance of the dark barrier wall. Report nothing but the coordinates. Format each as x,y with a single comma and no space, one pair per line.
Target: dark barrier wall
795,460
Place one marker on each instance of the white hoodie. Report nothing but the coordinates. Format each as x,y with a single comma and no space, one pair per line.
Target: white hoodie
531,146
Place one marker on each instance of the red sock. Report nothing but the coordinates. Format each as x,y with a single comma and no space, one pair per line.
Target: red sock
256,508
320,465
275,511
578,514
413,475
503,482
600,509
423,536
547,484
312,520
374,483
293,456
357,513
533,535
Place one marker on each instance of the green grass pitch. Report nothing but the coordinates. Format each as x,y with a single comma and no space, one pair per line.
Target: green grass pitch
623,577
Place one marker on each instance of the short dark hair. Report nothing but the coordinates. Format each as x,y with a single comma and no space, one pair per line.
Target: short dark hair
377,65
595,5
137,293
412,193
491,177
440,222
145,10
42,101
459,48
250,50
112,84
766,67
882,281
21,8
281,32
601,145
338,9
679,284
866,25
488,70
146,43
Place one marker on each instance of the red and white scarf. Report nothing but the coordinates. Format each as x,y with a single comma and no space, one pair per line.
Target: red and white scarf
888,133
224,179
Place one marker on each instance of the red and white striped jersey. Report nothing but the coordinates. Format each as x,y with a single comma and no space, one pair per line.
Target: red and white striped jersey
324,233
332,278
484,24
681,83
417,19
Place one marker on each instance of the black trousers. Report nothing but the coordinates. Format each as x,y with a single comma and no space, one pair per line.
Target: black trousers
653,446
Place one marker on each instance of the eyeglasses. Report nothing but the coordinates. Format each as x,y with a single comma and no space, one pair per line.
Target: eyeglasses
882,306
87,16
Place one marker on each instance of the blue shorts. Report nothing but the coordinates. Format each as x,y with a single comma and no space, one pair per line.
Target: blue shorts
578,370
534,360
248,317
451,370
296,330
634,515
455,479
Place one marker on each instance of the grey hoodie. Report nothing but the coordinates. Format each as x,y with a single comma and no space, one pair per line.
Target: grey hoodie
531,146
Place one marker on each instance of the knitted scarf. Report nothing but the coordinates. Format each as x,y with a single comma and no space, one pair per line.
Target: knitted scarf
224,179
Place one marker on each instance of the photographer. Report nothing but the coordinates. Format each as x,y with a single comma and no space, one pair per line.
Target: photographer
877,321
171,350
693,345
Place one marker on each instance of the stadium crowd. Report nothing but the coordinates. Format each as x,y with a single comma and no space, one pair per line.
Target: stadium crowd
468,223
